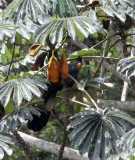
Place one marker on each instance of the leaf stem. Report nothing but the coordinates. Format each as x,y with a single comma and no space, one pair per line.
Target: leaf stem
105,54
40,70
83,89
116,33
10,63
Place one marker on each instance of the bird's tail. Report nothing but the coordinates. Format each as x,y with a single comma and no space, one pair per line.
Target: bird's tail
38,122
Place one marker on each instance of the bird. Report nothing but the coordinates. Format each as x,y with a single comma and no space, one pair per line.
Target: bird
55,85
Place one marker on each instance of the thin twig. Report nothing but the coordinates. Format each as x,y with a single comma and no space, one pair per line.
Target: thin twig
130,34
10,63
66,121
83,89
114,71
116,33
104,56
62,43
130,45
75,101
83,9
23,145
100,57
40,70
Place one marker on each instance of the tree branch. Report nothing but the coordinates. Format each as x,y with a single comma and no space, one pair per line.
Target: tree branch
22,144
116,33
113,71
126,106
51,147
66,121
104,55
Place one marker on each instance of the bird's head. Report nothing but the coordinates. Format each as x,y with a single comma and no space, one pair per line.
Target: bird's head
79,61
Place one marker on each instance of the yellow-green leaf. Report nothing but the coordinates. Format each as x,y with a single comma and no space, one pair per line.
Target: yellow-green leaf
33,50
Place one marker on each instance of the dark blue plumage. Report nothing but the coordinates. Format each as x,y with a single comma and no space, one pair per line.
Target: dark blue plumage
49,96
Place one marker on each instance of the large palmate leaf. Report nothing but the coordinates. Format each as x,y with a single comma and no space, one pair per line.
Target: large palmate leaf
5,140
65,8
118,8
24,8
54,28
10,123
101,84
6,29
127,140
127,64
96,131
21,88
24,31
17,119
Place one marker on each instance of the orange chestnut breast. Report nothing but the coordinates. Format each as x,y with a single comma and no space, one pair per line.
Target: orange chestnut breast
53,70
63,66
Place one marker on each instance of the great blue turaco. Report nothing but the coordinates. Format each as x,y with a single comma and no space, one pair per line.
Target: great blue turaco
57,71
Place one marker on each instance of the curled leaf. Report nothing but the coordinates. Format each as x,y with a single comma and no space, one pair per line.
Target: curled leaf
33,50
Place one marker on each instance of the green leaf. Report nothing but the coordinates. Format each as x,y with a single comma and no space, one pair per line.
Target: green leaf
27,8
38,82
5,94
18,13
40,6
86,143
3,59
32,88
33,11
94,149
25,91
25,11
66,8
72,10
9,107
47,4
76,26
71,29
8,53
46,33
9,11
83,52
41,29
7,138
96,132
61,9
81,27
53,33
6,148
23,88
17,96
59,33
1,154
122,116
